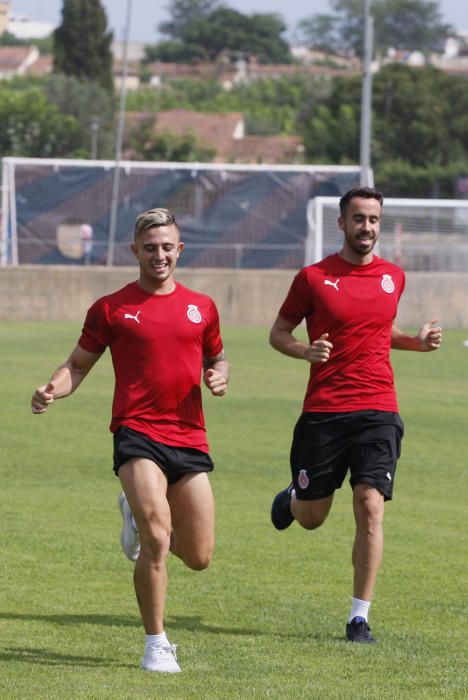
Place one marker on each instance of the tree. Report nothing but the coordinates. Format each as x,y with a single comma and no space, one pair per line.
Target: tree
417,135
45,45
229,30
33,127
82,43
173,51
401,24
146,144
321,32
411,25
207,35
183,13
91,105
415,119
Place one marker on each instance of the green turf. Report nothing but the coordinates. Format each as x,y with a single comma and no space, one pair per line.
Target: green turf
266,620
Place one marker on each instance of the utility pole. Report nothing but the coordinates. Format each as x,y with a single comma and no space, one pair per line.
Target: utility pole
366,97
118,141
94,136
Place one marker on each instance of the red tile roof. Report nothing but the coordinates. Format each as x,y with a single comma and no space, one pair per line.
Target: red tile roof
183,70
266,149
43,65
260,70
253,70
216,131
13,57
224,133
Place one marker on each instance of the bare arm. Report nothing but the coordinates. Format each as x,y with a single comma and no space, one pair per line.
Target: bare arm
429,338
64,380
283,340
216,374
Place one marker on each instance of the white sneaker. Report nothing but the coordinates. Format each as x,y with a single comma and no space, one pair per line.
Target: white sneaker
161,659
129,538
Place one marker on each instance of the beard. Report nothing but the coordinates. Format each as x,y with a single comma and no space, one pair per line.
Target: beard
361,245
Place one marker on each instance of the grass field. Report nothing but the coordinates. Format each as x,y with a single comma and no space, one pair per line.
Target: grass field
267,619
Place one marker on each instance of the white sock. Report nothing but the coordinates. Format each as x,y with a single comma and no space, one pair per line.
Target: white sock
158,640
359,608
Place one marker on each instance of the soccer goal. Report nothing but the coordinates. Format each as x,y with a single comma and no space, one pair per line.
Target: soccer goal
418,234
235,216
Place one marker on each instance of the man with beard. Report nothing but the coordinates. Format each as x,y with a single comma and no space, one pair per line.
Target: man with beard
350,417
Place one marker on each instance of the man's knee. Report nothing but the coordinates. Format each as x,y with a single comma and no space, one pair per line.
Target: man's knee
311,521
308,515
154,540
368,505
311,514
198,560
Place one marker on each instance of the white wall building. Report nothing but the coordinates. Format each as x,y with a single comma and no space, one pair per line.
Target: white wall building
23,28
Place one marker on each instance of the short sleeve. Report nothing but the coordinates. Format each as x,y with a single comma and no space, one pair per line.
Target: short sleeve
297,304
212,342
96,333
402,285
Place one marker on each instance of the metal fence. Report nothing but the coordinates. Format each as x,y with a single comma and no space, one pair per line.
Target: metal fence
232,216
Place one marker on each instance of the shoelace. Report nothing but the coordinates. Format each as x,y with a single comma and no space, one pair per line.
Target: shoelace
362,629
169,650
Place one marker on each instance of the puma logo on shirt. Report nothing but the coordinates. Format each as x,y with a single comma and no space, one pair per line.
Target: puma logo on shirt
332,284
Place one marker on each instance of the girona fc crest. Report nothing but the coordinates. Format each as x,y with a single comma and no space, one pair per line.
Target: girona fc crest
303,479
387,284
193,313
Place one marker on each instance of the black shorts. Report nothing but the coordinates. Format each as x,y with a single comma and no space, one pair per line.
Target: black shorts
326,445
175,462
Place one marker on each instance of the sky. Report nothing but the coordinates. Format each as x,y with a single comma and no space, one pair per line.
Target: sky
147,14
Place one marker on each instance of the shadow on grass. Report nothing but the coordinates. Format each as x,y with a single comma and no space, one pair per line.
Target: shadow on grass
103,620
195,624
44,657
192,624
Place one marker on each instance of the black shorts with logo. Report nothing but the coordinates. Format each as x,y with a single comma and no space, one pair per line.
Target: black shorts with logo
175,462
326,445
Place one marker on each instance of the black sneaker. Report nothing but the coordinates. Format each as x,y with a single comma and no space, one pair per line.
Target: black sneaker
359,631
281,515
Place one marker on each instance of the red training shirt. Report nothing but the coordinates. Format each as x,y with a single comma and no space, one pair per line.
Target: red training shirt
356,305
157,343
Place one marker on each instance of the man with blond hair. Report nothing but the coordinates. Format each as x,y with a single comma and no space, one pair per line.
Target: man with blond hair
163,337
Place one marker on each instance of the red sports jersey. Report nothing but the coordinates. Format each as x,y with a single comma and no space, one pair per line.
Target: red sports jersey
356,305
157,343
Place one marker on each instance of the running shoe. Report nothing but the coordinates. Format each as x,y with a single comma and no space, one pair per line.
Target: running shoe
160,659
281,515
359,631
129,538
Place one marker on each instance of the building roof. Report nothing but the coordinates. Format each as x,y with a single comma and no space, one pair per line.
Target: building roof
266,149
14,60
183,70
13,56
214,131
260,70
455,66
224,133
42,66
246,71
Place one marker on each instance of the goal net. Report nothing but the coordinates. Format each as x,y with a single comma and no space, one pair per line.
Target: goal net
418,234
58,211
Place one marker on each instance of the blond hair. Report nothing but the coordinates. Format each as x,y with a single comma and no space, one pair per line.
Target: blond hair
154,217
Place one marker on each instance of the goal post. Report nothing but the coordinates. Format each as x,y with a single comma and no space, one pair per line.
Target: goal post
57,211
418,234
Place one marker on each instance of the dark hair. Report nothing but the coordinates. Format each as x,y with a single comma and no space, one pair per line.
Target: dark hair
152,218
364,192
